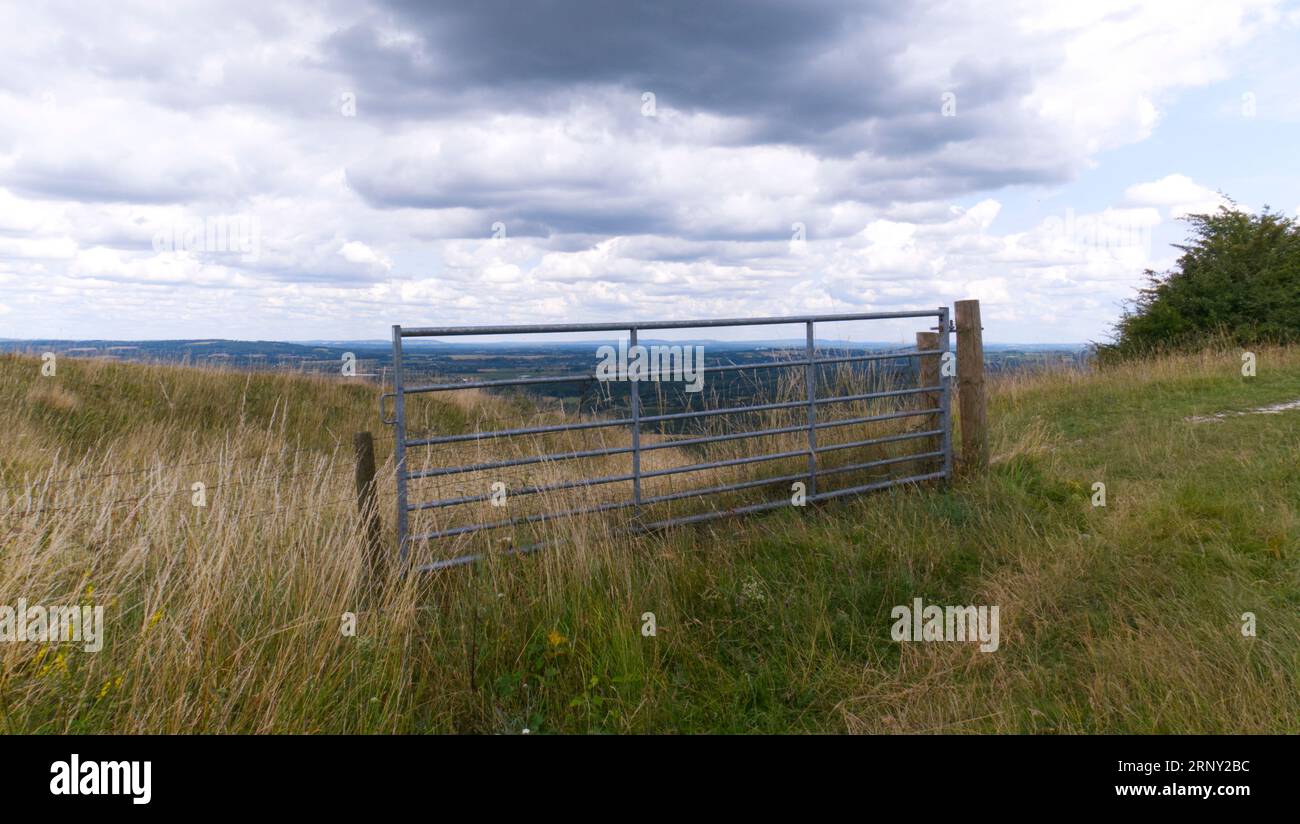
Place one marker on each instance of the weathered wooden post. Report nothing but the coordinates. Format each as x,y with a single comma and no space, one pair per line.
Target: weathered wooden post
970,387
363,443
928,375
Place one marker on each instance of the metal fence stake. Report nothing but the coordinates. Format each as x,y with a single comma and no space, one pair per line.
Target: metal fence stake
945,397
634,392
929,371
811,373
399,444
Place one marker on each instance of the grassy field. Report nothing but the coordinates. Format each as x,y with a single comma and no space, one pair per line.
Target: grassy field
226,618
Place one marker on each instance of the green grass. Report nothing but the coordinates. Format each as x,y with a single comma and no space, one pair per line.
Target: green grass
1123,618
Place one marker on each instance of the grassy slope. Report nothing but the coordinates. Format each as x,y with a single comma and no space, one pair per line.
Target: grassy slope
1122,618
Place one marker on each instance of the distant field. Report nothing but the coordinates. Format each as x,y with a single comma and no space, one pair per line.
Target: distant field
226,618
447,358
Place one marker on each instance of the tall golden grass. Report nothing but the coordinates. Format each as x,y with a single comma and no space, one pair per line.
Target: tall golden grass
228,617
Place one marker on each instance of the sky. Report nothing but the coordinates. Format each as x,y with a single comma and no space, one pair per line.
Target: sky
301,171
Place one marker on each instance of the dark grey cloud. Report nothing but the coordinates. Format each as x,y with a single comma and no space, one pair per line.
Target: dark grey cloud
93,183
828,77
799,73
122,118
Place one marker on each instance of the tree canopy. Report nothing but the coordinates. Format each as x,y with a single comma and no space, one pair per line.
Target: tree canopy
1238,278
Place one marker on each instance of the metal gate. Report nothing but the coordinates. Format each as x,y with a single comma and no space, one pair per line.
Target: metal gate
635,420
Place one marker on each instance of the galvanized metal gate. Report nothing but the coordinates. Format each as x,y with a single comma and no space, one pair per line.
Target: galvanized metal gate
635,420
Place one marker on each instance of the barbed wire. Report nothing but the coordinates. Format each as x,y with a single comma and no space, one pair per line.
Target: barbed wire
258,513
218,505
160,467
168,494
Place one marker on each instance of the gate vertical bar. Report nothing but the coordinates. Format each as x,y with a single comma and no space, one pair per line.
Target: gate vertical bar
811,372
399,442
634,392
941,394
945,397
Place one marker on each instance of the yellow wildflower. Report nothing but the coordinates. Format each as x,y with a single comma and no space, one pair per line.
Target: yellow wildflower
60,662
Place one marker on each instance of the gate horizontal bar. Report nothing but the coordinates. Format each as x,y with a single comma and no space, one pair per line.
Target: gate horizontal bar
763,407
527,329
900,459
910,413
462,560
807,359
508,433
713,490
876,441
563,456
786,430
821,496
449,387
906,353
596,453
730,436
545,430
527,490
540,517
893,393
677,470
609,479
658,377
615,505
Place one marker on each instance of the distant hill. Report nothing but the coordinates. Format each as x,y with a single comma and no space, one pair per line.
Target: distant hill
478,360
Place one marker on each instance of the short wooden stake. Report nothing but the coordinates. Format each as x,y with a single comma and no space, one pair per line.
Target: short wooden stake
928,375
363,444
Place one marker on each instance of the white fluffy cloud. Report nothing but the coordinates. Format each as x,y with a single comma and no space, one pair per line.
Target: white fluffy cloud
1178,194
354,251
827,181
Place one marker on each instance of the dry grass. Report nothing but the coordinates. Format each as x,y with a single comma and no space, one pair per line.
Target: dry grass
226,618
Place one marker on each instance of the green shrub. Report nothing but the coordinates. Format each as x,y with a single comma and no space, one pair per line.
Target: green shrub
1238,279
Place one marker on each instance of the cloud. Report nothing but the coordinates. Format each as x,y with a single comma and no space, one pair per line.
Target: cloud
827,115
1178,193
354,251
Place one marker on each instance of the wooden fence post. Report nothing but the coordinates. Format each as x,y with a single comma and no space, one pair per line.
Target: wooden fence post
363,443
970,387
928,375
